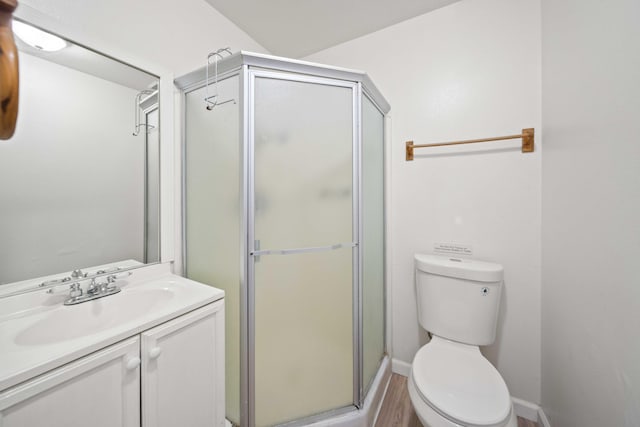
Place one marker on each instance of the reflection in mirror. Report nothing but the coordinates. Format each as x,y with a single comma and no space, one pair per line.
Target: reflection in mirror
79,180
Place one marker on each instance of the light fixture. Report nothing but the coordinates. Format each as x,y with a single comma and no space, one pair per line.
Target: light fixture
37,38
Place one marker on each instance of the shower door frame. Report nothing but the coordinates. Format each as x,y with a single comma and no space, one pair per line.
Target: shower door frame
241,64
247,291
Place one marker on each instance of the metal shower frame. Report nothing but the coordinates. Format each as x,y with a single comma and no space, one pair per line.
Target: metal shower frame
248,66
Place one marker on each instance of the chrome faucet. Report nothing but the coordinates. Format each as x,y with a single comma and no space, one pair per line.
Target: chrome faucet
95,290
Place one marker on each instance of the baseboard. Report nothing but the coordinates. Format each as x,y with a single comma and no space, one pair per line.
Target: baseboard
543,421
530,411
400,367
525,409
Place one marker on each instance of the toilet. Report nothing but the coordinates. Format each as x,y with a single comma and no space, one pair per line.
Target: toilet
451,383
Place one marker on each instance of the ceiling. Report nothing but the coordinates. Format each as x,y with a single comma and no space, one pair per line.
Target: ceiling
296,28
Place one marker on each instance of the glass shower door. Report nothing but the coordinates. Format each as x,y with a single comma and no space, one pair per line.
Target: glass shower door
301,269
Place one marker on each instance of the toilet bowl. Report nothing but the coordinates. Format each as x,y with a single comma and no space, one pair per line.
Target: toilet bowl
451,383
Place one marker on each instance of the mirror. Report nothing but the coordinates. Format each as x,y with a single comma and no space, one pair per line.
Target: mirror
79,180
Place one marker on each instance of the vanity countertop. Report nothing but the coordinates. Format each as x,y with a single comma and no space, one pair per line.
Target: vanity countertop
38,333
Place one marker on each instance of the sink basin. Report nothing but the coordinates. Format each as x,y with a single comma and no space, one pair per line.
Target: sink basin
70,322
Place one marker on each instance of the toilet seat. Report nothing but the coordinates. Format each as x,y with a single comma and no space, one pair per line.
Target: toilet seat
460,384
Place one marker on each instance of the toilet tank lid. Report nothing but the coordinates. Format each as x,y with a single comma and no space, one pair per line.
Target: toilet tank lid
461,268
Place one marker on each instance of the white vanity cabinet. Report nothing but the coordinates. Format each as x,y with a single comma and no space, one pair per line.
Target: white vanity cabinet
99,390
183,371
170,375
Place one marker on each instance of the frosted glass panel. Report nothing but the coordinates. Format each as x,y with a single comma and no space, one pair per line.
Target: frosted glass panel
372,242
213,214
303,164
303,333
303,198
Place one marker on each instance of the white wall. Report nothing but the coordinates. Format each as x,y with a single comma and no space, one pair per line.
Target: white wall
468,70
591,213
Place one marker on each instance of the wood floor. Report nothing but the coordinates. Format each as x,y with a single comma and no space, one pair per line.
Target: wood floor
397,411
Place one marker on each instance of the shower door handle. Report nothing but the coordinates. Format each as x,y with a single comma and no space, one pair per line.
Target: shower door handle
303,250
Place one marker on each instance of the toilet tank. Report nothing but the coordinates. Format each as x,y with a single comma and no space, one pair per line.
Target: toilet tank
458,299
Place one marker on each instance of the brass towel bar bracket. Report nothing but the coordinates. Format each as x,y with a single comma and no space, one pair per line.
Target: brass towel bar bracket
526,135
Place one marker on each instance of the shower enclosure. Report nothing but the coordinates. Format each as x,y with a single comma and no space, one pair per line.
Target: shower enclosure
283,208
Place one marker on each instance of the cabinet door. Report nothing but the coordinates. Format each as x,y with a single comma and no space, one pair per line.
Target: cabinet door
99,390
183,370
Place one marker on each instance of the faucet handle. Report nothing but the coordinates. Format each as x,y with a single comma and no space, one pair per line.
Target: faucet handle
111,282
76,290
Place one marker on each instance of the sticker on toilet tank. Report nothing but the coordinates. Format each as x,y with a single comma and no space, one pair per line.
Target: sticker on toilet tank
452,248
